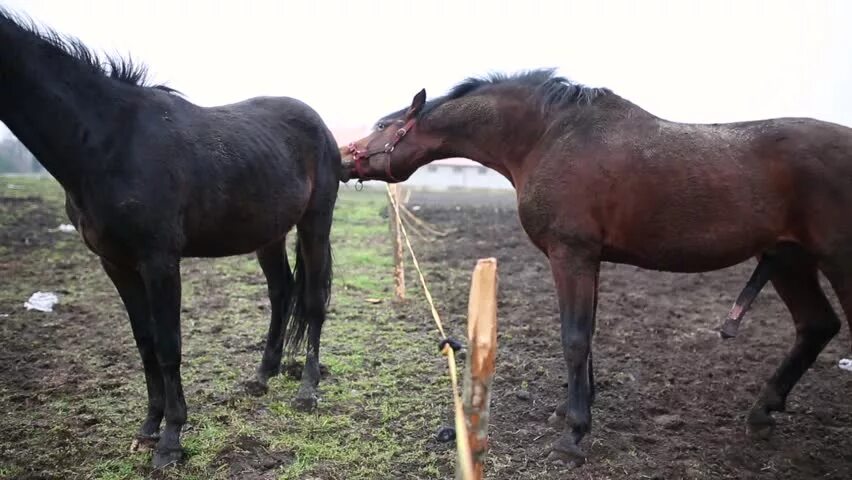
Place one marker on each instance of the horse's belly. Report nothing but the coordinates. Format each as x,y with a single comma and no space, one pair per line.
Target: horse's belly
237,222
225,237
674,261
689,254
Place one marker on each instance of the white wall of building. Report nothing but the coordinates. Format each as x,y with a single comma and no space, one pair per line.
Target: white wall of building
440,176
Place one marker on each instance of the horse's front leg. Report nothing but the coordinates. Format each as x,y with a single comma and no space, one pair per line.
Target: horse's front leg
131,289
576,277
161,276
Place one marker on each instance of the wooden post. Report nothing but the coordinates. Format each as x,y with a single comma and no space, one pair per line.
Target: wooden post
481,357
396,239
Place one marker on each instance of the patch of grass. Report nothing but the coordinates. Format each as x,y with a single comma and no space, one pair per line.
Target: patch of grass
386,394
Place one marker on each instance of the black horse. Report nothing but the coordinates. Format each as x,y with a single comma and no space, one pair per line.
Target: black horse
150,178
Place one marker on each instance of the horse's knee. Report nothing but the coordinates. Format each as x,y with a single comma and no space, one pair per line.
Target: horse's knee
576,348
578,418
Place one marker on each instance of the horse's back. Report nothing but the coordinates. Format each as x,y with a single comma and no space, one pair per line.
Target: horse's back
240,176
662,191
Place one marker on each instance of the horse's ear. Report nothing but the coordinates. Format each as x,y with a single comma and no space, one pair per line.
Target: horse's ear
417,104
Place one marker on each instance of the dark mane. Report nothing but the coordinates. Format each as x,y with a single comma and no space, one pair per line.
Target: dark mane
124,70
550,90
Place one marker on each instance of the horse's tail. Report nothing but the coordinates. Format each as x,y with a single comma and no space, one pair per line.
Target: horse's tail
313,269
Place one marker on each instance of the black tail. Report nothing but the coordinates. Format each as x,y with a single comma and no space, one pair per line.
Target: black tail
310,297
313,268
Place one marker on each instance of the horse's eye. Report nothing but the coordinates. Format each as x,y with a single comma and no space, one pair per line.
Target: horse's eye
380,126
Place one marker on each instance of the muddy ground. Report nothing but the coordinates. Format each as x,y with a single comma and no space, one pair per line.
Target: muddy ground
672,396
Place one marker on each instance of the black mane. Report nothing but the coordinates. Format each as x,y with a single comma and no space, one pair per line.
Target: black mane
550,90
124,70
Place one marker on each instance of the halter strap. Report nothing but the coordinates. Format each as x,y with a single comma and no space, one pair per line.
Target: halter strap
358,156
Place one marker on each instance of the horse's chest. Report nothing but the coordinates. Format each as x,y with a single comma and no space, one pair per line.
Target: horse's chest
93,237
102,238
535,214
551,212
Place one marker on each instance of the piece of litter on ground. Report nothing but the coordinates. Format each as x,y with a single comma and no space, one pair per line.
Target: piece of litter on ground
4,315
374,300
66,227
11,186
845,364
42,301
416,208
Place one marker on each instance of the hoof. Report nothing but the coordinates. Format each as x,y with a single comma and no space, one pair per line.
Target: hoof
165,458
255,387
144,443
568,455
305,403
760,425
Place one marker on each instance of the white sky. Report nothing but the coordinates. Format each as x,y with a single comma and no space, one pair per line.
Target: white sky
354,61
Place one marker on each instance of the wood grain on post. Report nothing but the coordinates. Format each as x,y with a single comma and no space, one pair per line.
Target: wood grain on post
481,357
396,238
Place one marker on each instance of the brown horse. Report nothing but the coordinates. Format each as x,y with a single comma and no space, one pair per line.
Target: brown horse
600,179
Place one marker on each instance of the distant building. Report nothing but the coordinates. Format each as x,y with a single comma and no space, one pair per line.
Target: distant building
450,173
457,173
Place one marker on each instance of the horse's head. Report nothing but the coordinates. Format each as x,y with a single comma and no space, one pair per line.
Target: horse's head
393,151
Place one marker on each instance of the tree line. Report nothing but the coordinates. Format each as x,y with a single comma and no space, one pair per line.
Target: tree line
15,158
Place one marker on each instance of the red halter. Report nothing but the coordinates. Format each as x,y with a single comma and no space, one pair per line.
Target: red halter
358,156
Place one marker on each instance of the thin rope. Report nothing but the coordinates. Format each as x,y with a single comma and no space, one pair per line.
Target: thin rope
462,445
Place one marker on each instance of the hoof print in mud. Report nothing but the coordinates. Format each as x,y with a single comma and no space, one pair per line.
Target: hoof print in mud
761,431
555,419
445,434
571,457
255,387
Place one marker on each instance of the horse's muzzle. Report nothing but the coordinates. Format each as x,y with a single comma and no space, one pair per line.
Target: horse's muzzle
347,167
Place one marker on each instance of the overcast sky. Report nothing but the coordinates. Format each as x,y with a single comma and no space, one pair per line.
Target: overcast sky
356,60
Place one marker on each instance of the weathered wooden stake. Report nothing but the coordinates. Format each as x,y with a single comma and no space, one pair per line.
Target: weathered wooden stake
396,239
481,357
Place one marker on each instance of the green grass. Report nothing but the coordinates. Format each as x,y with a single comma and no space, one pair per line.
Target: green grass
385,396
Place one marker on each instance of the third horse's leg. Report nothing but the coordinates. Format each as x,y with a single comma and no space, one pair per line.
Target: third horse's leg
796,280
575,275
558,415
314,242
279,281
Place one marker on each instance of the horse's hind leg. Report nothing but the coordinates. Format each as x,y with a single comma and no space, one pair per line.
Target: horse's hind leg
130,288
279,282
315,250
841,282
796,280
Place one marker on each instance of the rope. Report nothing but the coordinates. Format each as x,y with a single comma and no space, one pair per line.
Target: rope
425,225
462,445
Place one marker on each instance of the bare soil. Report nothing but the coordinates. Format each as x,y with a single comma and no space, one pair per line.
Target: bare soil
672,395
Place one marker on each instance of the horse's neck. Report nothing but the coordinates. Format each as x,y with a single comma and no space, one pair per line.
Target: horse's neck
504,140
490,137
53,104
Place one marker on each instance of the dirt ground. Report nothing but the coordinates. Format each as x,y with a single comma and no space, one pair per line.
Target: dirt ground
672,396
